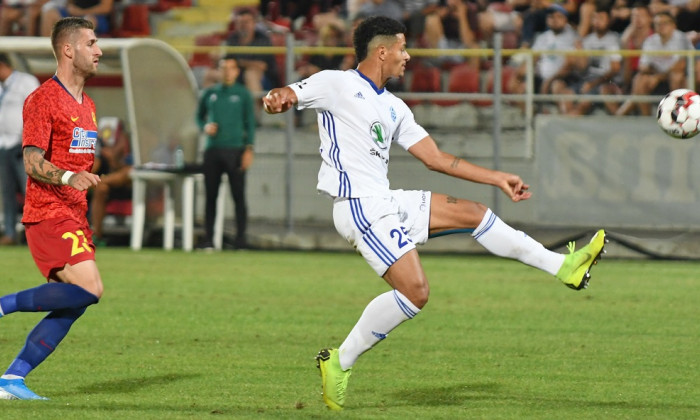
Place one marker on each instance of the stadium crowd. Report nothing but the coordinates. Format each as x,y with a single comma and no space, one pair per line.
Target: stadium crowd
540,25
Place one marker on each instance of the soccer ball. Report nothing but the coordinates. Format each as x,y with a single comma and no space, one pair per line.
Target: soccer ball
678,114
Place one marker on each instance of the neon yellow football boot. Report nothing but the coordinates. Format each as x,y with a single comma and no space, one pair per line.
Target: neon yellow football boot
575,271
334,379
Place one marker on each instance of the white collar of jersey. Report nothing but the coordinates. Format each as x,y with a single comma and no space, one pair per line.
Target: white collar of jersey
371,83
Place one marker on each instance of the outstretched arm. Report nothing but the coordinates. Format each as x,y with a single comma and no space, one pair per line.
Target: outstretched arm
44,171
279,100
436,160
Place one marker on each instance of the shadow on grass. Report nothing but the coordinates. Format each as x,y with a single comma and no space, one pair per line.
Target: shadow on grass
490,391
129,385
449,395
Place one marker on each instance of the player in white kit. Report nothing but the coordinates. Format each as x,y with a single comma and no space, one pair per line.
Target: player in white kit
358,120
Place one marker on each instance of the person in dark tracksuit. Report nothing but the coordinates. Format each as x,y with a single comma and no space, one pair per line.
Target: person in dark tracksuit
226,115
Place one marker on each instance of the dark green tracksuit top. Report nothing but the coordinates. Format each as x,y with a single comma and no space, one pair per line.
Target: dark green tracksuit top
231,107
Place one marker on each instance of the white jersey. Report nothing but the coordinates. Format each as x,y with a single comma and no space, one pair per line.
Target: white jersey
663,63
357,124
549,64
600,65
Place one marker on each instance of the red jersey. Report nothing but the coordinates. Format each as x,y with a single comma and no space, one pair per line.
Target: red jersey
67,130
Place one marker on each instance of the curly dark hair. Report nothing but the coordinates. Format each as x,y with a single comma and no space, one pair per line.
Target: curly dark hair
372,27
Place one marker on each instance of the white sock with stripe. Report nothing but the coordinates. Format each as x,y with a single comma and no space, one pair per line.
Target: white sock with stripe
502,240
382,314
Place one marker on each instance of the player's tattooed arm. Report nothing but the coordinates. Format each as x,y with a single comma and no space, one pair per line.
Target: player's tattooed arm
39,168
455,162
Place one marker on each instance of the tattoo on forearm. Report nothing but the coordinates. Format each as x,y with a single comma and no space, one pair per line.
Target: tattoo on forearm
40,168
454,163
451,200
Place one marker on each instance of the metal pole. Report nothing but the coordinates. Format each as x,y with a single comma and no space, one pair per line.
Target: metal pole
289,134
497,89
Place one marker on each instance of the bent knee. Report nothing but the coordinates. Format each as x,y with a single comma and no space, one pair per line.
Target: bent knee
97,291
418,295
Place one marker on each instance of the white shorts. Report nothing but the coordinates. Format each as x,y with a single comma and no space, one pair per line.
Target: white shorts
384,228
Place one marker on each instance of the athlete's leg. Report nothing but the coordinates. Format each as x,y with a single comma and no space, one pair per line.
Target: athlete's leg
84,274
375,227
381,316
237,180
42,341
388,310
448,213
213,169
80,287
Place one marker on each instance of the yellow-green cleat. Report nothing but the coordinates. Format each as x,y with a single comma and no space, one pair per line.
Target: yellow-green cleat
333,377
575,272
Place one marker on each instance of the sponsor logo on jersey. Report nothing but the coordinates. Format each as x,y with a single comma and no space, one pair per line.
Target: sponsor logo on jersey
393,114
378,135
377,153
83,141
74,119
359,95
300,85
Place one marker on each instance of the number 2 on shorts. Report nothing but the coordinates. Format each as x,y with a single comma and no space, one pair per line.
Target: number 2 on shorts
79,242
401,241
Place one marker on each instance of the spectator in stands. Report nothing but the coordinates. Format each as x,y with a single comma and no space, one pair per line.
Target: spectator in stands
620,14
414,13
226,115
113,162
659,74
534,21
23,13
96,11
349,61
501,16
388,8
694,37
447,28
274,17
15,86
601,73
553,72
688,15
633,37
258,71
329,36
331,15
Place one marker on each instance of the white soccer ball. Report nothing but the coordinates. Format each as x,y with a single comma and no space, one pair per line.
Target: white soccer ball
678,114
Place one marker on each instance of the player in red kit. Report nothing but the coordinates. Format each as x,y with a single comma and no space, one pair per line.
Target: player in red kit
59,136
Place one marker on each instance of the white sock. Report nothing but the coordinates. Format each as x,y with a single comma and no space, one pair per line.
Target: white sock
11,377
504,241
382,314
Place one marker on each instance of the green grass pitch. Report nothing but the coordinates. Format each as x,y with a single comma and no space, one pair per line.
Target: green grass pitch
233,335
